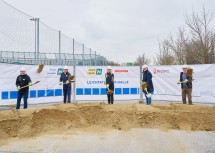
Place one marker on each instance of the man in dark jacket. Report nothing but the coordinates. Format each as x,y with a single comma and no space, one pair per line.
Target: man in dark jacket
22,80
109,84
147,77
64,79
186,85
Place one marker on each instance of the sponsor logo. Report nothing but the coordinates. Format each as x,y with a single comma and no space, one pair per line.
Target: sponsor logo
160,71
118,71
59,71
51,71
94,72
103,82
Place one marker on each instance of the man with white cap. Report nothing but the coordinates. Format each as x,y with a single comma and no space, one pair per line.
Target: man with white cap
186,85
23,80
147,77
64,79
109,84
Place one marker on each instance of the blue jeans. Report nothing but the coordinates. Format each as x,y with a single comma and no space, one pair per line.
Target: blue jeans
24,94
148,99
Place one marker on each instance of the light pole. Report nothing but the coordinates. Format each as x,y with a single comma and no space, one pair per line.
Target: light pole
36,20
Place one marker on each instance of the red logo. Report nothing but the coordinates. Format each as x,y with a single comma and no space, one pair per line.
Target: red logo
160,71
155,70
121,71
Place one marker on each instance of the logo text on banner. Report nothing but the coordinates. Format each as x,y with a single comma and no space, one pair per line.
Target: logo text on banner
94,72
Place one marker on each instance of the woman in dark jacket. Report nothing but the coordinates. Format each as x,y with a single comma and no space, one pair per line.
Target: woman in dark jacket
109,76
147,77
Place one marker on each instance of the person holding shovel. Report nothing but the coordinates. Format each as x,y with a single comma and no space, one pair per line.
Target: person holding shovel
186,84
64,79
149,89
109,84
23,82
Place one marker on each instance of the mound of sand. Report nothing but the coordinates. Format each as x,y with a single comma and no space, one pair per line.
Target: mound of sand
32,122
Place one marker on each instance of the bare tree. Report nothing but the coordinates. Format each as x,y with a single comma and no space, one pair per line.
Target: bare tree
141,60
202,35
196,45
177,44
165,56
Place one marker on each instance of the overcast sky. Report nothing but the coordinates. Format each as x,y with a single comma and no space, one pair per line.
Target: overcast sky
118,29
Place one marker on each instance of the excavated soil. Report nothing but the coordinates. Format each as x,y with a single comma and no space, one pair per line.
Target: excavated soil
34,122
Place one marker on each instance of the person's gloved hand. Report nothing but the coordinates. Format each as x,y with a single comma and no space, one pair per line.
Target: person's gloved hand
67,82
178,82
185,80
30,84
145,89
107,86
18,87
60,83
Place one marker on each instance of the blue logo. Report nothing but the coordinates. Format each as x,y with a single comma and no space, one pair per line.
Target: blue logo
98,71
59,71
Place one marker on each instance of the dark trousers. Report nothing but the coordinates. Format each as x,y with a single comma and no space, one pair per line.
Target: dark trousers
110,98
24,94
187,92
67,93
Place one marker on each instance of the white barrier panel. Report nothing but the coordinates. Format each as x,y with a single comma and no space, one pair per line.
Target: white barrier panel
90,83
47,90
165,83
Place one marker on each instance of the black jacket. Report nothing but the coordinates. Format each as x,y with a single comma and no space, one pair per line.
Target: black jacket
147,77
110,80
64,77
189,83
23,80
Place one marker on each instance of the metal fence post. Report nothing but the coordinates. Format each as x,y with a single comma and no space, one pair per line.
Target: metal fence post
83,55
35,37
141,94
90,58
74,72
59,47
95,62
38,40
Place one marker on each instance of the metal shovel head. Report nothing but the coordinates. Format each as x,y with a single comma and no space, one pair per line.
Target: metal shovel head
71,77
143,85
189,72
40,68
109,92
148,95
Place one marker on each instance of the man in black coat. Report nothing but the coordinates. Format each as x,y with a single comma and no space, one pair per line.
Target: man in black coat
147,77
109,84
64,79
22,80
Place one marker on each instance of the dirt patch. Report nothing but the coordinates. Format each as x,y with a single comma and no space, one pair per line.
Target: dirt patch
33,122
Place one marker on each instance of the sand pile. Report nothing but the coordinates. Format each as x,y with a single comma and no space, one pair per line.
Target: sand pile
32,122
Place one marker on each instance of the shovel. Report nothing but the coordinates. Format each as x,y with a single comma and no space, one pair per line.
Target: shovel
29,85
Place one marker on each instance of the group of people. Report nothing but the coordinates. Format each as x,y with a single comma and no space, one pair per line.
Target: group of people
23,82
184,80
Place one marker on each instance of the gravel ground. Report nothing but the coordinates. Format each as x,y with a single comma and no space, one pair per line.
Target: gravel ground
116,141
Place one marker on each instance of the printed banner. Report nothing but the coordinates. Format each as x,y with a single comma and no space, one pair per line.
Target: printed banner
90,83
165,80
47,90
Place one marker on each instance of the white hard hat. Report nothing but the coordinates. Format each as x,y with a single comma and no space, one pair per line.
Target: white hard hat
22,69
145,66
184,66
109,67
65,68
